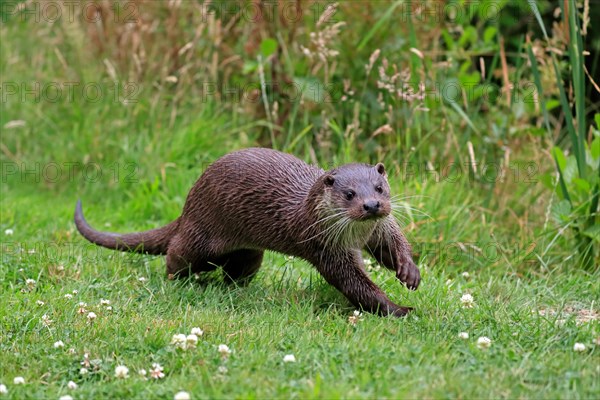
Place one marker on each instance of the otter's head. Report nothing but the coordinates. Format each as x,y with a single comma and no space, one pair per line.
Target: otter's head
360,191
351,202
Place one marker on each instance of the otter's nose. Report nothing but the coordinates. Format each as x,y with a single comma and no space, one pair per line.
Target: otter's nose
371,206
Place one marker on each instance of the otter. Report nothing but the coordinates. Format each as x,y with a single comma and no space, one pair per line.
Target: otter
259,199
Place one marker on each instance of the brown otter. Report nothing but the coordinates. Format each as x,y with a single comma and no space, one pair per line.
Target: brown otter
258,199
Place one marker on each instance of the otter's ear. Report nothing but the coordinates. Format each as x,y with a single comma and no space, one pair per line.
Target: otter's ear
380,168
328,180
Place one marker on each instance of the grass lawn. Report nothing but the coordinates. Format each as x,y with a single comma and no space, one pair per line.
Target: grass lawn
532,320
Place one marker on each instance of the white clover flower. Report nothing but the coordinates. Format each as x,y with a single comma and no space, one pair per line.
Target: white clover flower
224,350
463,335
191,341
19,380
71,351
355,317
289,358
466,275
72,385
142,372
40,303
75,291
30,283
83,371
108,308
121,372
65,397
180,341
104,302
182,396
142,279
467,301
179,337
579,347
8,232
222,369
68,296
91,316
46,320
197,331
3,389
82,304
59,344
157,371
484,342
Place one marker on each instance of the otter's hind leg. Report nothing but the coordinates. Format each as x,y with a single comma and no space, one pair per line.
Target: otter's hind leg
184,259
347,274
242,265
391,249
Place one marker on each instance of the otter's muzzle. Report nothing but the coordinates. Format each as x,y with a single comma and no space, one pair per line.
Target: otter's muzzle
372,207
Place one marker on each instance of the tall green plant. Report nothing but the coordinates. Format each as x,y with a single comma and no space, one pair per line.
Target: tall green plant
579,181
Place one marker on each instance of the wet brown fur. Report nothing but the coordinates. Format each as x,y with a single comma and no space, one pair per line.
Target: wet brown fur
258,199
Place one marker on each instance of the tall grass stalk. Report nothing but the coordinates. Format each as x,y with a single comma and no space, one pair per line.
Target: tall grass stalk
584,216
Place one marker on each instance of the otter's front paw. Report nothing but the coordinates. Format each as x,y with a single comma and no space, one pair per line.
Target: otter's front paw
409,274
401,311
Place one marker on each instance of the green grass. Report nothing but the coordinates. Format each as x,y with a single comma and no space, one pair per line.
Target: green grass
532,299
287,309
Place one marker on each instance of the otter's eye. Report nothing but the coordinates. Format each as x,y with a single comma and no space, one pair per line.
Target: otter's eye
350,195
379,189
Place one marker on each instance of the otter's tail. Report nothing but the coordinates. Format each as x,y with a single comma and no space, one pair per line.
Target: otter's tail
155,241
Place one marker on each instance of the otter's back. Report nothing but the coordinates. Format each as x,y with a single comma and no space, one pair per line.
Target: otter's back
253,188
